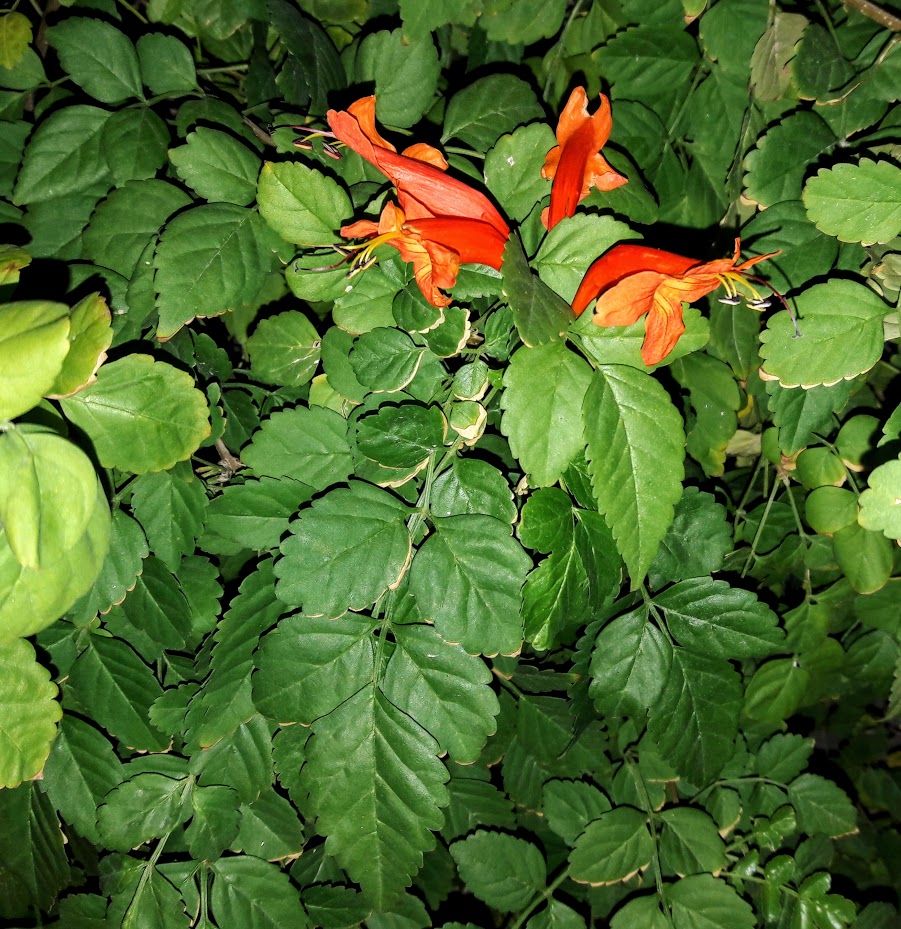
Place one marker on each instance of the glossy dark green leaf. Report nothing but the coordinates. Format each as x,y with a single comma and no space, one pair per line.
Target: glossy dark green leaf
612,848
144,807
302,205
571,805
253,893
166,64
482,112
216,166
270,828
690,842
471,486
704,900
503,871
135,143
402,436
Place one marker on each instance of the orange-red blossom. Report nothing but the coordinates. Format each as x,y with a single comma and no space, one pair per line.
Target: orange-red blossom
441,222
576,164
631,280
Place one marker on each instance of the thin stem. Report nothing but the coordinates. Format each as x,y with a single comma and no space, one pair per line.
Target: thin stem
130,916
827,19
134,12
876,13
695,80
760,526
551,63
468,152
545,894
740,509
222,69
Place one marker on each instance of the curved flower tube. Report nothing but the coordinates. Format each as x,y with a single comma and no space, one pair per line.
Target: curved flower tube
575,164
632,280
440,219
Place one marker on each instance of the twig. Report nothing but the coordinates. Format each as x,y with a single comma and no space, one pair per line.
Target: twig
227,459
876,13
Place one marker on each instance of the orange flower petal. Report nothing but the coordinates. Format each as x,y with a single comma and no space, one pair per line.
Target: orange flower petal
475,242
627,301
662,331
621,261
428,154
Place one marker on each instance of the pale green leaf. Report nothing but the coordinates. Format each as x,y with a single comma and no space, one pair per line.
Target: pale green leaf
34,342
513,169
90,335
29,710
841,335
856,202
15,37
141,415
880,503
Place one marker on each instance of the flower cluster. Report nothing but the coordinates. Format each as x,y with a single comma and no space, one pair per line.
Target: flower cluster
440,223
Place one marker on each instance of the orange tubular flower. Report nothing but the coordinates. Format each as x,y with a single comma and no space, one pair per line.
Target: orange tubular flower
576,165
441,222
631,280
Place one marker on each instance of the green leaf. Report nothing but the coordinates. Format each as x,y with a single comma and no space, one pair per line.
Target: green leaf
804,251
241,760
696,719
134,144
784,756
711,618
841,327
471,486
880,503
715,399
540,315
770,75
270,828
775,169
170,505
154,616
572,245
402,436
121,567
630,664
823,808
112,683
303,206
30,711
445,690
35,866
420,19
284,350
696,543
503,871
90,335
364,759
145,807
776,689
306,445
475,803
703,900
15,37
865,557
215,820
313,61
32,598
690,842
856,202
571,805
141,415
254,894
482,112
309,666
556,916
252,515
612,848
166,64
649,62
81,770
385,359
405,72
333,906
546,521
635,452
217,166
542,402
345,551
803,414
641,912
34,342
467,579
99,57
554,598
513,169
224,703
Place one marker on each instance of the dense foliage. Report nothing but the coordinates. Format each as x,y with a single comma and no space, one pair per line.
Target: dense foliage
353,578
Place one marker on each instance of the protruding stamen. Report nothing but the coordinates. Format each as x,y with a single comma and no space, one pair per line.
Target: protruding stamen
732,300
